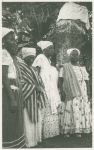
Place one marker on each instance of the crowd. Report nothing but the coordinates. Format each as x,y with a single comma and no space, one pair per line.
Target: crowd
40,101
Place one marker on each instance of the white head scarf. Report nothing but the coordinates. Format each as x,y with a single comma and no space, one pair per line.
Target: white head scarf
74,11
5,31
26,51
44,44
71,49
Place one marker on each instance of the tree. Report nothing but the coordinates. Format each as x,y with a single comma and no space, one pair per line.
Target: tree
36,19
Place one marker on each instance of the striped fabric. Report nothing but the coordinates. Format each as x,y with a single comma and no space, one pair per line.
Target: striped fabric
18,143
70,84
32,98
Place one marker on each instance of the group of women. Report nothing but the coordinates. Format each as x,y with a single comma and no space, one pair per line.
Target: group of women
39,101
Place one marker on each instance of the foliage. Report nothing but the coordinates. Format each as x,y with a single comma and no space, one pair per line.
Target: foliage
37,19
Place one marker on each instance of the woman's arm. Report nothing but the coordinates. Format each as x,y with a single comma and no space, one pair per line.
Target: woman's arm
60,85
6,85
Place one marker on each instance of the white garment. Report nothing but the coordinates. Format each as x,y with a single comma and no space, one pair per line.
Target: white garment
49,76
74,11
54,94
33,132
8,61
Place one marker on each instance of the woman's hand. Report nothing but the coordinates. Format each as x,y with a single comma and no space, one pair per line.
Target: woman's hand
38,89
13,106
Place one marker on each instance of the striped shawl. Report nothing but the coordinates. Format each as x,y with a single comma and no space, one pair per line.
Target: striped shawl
70,85
32,99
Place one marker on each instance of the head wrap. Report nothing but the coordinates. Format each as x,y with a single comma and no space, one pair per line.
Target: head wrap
26,51
71,49
74,11
5,31
44,44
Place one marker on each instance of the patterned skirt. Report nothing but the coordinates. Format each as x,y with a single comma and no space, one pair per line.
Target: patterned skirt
75,116
50,123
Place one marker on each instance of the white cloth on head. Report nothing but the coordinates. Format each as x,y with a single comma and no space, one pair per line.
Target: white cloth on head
5,31
74,11
26,51
71,49
44,44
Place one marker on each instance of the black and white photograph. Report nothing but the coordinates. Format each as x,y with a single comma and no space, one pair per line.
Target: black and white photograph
47,74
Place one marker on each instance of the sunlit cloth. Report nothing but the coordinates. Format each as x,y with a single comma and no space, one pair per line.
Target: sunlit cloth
44,44
28,51
74,11
49,76
71,49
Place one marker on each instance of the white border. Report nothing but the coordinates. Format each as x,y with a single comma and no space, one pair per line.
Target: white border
1,64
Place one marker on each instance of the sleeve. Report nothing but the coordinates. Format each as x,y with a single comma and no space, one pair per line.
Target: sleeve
61,72
38,62
6,58
85,73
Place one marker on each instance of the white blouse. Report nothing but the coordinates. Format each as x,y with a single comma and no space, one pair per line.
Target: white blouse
8,61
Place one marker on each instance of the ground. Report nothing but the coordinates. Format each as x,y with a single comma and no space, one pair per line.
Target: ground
73,142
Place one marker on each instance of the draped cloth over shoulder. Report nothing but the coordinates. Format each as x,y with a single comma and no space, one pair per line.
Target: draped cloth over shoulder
70,85
33,99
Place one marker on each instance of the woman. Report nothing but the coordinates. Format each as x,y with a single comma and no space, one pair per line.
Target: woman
49,76
74,112
34,98
12,114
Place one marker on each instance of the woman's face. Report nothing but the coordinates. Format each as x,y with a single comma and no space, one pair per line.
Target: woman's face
11,43
29,60
74,56
49,51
